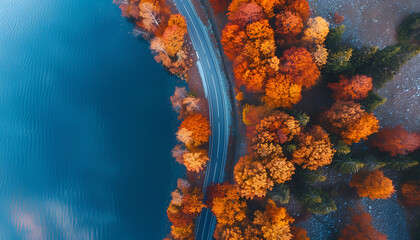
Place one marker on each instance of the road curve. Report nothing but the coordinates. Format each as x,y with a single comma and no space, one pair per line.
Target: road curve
219,106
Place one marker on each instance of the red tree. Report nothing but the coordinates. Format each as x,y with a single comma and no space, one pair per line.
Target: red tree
298,63
411,192
300,7
288,24
396,140
361,228
246,14
219,5
356,88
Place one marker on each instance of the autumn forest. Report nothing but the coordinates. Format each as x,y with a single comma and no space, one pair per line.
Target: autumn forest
289,163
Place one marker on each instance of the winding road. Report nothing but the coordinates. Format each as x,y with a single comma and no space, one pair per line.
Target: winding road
219,106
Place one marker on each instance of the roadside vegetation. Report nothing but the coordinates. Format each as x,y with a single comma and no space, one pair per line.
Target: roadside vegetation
169,42
279,53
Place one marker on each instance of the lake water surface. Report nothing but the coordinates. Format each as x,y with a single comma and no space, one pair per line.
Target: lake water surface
85,125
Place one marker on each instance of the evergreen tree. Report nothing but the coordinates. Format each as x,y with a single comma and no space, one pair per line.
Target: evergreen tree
360,58
401,163
339,61
280,194
302,117
334,37
314,176
372,101
342,148
409,29
348,165
317,201
388,61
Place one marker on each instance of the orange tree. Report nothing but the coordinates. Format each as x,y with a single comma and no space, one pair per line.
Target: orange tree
281,92
252,178
186,204
271,132
194,130
233,40
226,204
279,169
252,115
348,120
373,185
314,149
396,140
246,14
272,224
288,24
299,64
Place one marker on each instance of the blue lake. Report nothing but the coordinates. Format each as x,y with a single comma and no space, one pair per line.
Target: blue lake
86,125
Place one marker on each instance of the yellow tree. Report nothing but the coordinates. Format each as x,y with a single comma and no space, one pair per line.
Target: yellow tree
317,31
320,55
280,170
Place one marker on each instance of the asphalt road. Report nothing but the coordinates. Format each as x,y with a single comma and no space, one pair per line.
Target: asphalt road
219,106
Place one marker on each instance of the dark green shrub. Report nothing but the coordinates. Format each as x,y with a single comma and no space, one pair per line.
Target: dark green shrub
301,117
280,194
314,176
342,148
409,29
317,201
290,148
